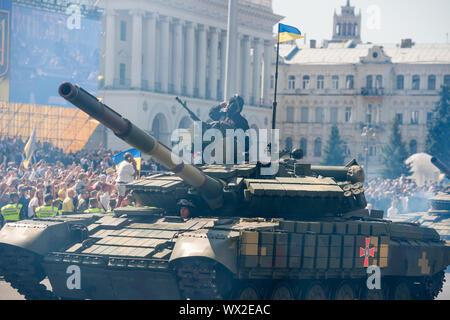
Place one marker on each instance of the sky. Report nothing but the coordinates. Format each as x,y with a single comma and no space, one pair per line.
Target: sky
383,21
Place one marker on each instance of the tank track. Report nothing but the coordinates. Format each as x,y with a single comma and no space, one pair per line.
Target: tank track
202,279
23,271
434,286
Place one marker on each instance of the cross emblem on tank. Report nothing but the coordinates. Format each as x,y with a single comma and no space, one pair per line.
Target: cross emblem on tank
367,252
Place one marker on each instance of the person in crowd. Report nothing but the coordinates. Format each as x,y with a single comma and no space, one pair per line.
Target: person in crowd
13,211
125,174
94,206
47,210
68,205
35,195
392,211
83,201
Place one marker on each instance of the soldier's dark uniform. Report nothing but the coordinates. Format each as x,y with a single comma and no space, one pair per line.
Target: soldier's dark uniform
229,118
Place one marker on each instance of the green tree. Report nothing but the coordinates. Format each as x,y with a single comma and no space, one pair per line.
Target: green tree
333,153
394,154
437,142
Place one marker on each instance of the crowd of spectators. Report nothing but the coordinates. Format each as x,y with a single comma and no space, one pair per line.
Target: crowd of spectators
401,193
72,179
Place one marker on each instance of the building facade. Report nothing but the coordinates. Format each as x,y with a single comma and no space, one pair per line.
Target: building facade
361,89
155,50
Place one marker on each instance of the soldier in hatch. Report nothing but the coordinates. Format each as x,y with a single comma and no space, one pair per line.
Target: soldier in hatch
227,115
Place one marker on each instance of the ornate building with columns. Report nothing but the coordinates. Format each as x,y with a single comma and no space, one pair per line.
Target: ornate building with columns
361,88
155,50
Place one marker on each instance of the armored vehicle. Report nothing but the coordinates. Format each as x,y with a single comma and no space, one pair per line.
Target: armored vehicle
438,217
232,232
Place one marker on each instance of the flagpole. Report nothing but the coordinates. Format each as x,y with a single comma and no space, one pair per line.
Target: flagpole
274,108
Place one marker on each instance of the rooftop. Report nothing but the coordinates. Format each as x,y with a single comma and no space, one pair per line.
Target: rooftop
338,54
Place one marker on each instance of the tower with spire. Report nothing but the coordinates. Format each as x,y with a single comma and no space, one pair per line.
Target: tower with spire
347,25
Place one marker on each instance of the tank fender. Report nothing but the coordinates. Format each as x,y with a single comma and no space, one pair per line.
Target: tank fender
220,246
39,236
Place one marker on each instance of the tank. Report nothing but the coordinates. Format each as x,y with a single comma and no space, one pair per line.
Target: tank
230,232
438,216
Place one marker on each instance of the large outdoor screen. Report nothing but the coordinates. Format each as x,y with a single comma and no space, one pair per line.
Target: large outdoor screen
49,48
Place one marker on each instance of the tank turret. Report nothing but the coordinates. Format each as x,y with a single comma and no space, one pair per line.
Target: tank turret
324,191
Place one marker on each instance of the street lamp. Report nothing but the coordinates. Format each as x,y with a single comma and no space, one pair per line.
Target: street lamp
367,132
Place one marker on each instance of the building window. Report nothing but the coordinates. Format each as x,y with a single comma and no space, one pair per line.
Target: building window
413,146
304,114
349,82
415,82
348,114
320,82
447,80
318,147
372,151
288,144
290,114
432,82
319,115
429,116
414,117
400,82
379,81
399,116
369,81
369,114
122,74
304,146
305,82
291,82
335,82
333,115
123,30
272,80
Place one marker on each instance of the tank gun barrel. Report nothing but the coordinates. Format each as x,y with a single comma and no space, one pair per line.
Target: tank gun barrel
441,166
211,189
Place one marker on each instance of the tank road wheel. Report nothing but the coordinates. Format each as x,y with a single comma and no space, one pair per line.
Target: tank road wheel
400,290
344,291
374,294
282,291
24,272
247,291
203,279
316,291
431,287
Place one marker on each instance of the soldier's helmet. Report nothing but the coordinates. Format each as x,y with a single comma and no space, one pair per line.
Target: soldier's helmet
236,104
127,156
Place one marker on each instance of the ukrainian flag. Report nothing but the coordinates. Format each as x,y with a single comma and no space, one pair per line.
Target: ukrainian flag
29,149
118,158
288,33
